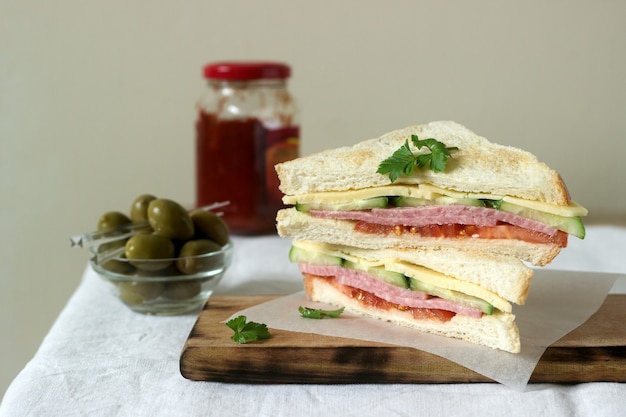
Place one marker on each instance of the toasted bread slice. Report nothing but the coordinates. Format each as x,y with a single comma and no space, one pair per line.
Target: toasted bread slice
478,166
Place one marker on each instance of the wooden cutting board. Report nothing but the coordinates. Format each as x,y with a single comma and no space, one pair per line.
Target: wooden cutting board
596,351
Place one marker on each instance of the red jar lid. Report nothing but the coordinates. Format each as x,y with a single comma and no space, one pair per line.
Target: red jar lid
246,70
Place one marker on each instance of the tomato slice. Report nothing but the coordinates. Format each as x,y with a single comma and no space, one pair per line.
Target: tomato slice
500,231
369,299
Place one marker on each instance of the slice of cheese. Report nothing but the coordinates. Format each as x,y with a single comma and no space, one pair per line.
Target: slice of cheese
572,210
433,190
353,195
430,191
440,280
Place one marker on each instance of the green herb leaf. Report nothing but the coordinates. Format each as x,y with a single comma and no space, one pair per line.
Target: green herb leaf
247,331
314,313
403,161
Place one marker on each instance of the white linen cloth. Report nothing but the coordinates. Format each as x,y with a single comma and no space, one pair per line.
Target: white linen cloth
101,359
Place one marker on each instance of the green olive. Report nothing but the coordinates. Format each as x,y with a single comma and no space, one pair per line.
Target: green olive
209,225
152,247
170,219
111,220
119,267
139,208
182,290
134,293
188,264
129,297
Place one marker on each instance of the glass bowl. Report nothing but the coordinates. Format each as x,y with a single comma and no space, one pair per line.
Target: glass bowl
157,286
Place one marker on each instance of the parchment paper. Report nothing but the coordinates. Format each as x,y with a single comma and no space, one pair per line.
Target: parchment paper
559,301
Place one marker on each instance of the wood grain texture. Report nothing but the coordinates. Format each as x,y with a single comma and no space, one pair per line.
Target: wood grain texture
596,351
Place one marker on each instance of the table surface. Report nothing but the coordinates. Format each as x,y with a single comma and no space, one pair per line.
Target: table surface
101,359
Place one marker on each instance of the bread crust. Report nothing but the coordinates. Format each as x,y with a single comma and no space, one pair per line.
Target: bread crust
497,331
478,166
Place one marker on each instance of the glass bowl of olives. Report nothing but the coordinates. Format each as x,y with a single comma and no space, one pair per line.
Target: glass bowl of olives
162,259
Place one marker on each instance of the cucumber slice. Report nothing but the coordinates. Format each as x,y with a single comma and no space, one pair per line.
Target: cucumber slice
379,272
365,204
299,255
572,225
416,201
451,295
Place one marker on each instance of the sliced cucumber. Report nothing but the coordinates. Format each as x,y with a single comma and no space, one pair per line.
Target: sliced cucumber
379,272
365,204
572,225
457,297
416,201
299,255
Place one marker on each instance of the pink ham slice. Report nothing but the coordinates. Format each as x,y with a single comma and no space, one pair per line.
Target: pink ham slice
426,215
386,291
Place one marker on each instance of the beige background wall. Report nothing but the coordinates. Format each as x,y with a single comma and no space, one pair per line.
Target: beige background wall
97,105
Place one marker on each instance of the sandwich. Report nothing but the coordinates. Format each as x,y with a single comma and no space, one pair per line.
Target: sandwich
431,227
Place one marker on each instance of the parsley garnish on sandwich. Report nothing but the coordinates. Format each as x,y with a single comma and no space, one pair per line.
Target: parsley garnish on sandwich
403,161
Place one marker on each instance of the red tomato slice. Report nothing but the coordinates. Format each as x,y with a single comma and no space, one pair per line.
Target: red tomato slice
501,231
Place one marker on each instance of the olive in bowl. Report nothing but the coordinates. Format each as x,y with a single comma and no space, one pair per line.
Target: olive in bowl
159,286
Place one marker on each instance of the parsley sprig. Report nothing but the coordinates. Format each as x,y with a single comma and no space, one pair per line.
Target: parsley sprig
403,161
247,331
315,313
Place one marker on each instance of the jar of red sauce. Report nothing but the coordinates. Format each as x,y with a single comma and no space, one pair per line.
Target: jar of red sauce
247,123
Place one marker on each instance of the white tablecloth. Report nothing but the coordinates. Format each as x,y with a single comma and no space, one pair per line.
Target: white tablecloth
101,359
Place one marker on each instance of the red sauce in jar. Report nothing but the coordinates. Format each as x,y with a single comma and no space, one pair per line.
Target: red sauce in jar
235,161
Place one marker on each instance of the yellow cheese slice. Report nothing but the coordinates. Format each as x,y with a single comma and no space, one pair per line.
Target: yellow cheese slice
572,210
352,195
433,190
430,191
440,280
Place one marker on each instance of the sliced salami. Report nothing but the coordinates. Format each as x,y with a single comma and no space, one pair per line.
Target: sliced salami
438,214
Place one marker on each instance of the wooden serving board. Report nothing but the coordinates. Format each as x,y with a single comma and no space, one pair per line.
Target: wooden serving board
595,351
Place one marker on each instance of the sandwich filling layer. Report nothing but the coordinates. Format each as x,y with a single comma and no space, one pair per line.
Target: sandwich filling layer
421,208
400,283
370,299
366,287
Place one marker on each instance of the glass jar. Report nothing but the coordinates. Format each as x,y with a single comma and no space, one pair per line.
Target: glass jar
247,123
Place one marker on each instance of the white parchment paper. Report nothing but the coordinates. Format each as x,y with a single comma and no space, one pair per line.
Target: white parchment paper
559,301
